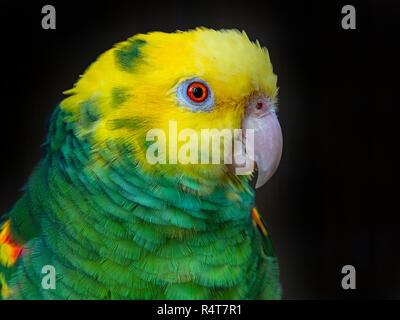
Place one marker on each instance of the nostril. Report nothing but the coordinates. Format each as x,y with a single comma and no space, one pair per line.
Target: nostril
258,106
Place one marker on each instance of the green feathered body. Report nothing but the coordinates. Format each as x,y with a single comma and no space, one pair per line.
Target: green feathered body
112,233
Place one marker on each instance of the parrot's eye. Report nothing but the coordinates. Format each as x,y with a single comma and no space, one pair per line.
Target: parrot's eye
195,94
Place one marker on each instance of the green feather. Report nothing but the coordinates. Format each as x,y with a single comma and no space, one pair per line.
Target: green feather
127,55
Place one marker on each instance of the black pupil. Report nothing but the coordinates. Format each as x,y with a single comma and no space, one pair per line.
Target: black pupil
197,92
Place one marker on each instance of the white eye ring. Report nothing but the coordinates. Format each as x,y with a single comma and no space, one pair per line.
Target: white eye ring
185,101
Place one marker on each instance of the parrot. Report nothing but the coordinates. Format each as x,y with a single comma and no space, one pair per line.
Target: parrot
98,220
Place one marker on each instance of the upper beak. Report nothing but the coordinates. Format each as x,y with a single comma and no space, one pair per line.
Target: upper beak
265,149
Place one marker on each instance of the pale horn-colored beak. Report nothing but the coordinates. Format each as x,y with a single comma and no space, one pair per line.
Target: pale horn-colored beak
262,138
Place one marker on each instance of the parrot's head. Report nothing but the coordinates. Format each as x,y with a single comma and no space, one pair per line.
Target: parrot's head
165,97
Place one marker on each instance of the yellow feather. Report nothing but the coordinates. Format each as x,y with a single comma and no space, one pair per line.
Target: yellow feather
5,292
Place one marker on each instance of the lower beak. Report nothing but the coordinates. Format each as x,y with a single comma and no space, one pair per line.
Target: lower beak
265,149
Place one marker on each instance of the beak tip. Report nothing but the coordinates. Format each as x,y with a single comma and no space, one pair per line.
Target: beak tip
262,178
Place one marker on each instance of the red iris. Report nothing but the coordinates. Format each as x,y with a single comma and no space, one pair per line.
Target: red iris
197,92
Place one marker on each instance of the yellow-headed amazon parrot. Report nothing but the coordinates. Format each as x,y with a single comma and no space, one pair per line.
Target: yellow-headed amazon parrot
112,224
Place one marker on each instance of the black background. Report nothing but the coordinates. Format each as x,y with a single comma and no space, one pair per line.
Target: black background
331,202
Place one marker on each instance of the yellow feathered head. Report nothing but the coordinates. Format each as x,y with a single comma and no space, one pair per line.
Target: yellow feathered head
199,79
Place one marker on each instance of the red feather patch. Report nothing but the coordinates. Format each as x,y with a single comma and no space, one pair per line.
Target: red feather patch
258,222
9,249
